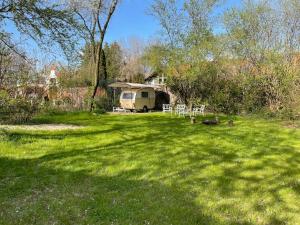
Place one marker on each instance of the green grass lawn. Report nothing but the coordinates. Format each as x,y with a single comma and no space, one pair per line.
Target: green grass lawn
150,169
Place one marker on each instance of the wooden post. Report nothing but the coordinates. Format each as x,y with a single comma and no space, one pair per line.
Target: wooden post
193,120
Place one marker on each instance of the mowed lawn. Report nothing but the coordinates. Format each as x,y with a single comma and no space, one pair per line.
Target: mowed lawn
150,169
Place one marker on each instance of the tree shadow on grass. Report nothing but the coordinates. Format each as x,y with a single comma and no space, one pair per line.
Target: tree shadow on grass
246,166
31,193
99,126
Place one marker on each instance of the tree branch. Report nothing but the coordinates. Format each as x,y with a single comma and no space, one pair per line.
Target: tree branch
13,49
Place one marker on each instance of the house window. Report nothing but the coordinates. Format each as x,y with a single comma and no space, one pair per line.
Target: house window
127,95
145,94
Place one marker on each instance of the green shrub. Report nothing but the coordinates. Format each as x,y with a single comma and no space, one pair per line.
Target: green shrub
16,109
102,105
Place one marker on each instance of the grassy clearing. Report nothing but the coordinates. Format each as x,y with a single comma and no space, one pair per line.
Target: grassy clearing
150,169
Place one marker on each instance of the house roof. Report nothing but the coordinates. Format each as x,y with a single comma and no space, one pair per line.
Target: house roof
150,76
132,85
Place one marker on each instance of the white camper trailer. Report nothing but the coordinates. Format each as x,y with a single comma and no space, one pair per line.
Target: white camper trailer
138,97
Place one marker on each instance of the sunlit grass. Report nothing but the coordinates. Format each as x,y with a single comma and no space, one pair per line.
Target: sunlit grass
150,169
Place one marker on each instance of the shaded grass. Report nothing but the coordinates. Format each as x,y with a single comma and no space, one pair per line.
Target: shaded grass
150,169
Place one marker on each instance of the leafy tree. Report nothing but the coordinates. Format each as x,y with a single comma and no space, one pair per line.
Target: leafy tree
156,57
43,21
256,37
82,75
114,60
251,67
15,70
189,47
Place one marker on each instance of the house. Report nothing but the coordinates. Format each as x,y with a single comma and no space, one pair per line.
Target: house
161,81
155,79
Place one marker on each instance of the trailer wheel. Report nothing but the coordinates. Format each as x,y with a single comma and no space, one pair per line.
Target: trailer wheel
145,109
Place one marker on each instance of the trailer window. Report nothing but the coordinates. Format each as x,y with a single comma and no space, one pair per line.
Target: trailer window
127,95
145,94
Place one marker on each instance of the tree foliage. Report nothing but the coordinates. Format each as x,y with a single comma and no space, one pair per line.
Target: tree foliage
252,66
114,60
83,74
15,70
43,21
185,57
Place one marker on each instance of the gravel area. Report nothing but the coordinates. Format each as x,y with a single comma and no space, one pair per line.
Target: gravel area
41,127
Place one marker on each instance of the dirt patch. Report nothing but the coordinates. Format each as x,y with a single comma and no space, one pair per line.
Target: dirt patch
121,113
45,127
292,125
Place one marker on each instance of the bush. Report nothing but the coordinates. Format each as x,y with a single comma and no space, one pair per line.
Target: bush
102,105
16,110
272,91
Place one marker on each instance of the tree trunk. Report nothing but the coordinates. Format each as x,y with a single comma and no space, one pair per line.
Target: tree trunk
103,63
100,59
97,81
101,77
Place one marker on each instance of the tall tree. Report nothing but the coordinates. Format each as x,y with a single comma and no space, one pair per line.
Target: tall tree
133,69
156,57
290,23
94,16
189,43
114,59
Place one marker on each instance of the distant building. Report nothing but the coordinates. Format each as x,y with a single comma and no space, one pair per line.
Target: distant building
155,79
161,81
52,80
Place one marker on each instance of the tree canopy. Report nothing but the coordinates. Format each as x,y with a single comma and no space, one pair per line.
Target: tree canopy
43,21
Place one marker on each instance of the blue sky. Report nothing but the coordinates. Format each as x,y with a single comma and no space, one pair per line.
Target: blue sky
130,20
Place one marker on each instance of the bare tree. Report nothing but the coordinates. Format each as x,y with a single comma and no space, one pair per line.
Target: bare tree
94,16
290,23
133,69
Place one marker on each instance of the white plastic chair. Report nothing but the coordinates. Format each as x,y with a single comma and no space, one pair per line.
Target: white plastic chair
181,110
167,108
198,110
119,109
116,109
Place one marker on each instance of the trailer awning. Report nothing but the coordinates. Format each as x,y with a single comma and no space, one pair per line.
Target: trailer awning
132,85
